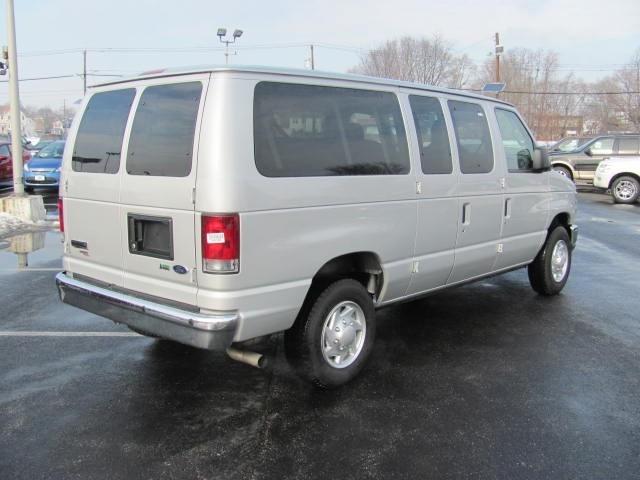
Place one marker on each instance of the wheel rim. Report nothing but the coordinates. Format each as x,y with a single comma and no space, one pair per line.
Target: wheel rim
562,172
343,334
559,260
625,190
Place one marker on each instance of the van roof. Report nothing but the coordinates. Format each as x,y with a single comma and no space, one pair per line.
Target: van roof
171,72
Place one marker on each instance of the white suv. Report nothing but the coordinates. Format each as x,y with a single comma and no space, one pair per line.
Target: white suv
621,176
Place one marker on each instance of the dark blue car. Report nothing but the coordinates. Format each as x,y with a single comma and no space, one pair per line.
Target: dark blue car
43,170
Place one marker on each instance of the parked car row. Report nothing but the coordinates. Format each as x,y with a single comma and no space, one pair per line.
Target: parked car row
581,163
40,170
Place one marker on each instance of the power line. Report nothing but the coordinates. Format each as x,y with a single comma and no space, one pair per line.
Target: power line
40,78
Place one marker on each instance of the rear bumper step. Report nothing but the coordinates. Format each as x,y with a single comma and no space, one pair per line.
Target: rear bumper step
210,331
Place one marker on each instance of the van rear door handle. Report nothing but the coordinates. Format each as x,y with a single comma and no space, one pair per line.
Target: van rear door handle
507,208
466,213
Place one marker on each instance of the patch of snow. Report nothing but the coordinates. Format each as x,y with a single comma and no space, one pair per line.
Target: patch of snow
9,223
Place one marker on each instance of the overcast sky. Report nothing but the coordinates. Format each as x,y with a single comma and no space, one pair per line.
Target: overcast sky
593,37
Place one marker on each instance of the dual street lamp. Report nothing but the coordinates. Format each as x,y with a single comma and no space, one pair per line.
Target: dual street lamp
222,33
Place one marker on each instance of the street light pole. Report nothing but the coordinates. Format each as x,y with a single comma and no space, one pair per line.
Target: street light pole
222,32
14,100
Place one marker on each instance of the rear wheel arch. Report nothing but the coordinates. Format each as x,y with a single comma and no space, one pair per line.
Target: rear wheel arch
364,266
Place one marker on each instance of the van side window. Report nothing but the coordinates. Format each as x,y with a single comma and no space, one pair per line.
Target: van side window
472,137
517,144
99,139
161,143
308,131
433,139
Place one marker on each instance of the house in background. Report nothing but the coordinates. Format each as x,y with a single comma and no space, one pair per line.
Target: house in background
27,123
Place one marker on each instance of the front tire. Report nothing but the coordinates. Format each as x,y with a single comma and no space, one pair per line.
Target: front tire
332,338
549,271
564,171
625,190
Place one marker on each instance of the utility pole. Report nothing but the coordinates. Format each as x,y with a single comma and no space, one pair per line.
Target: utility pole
499,50
313,61
498,58
84,71
14,100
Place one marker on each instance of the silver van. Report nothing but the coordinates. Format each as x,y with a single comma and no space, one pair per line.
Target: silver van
213,206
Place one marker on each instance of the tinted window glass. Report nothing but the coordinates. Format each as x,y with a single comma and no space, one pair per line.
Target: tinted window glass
161,142
472,136
99,140
4,150
517,144
628,146
604,146
433,139
305,131
53,150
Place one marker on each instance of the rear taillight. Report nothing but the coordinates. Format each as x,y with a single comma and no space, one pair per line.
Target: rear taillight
221,243
61,213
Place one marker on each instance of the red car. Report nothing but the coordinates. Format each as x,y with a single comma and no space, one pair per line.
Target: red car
6,165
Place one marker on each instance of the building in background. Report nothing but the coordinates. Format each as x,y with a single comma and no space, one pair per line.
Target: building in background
27,123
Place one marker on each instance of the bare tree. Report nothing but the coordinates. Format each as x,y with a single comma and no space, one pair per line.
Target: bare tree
423,60
614,103
550,102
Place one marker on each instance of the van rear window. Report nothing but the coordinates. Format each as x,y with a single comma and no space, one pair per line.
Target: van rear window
163,130
307,131
99,139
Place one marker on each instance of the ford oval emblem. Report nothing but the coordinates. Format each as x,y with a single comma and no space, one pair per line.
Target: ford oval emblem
179,269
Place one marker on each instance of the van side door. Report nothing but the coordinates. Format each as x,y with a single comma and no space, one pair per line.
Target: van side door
479,190
526,199
437,223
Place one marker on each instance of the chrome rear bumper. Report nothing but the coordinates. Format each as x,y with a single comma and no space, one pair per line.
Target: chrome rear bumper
210,331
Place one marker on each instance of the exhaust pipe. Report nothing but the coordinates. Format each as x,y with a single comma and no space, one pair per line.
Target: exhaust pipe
250,358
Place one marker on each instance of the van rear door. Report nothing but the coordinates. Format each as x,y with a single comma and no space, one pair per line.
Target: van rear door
158,221
91,187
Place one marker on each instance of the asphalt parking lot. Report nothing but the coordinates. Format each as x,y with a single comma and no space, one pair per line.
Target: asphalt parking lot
483,381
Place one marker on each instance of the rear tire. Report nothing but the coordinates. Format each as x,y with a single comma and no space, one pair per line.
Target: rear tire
333,335
564,171
549,271
625,190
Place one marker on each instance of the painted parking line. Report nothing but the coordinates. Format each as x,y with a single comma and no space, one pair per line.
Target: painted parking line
31,269
67,334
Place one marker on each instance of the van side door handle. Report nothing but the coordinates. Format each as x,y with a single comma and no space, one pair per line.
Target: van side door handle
466,213
507,208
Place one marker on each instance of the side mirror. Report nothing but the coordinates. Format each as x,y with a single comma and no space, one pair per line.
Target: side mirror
540,160
588,152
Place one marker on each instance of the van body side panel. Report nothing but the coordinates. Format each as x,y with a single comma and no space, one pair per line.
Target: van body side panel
291,227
